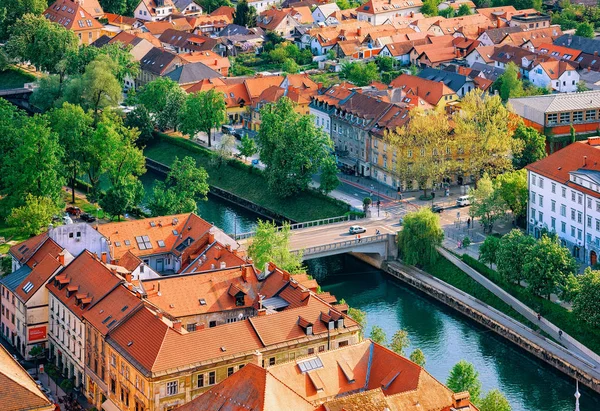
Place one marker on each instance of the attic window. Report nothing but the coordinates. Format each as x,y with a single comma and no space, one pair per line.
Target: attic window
130,343
143,242
124,308
107,319
152,224
28,287
117,244
202,301
310,364
175,232
161,243
127,242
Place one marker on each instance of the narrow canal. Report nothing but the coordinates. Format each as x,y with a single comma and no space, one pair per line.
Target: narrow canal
445,336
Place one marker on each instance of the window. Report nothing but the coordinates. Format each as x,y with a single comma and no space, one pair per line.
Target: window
590,114
563,210
572,195
272,361
579,217
579,234
191,327
564,192
553,223
597,225
589,221
321,348
563,227
113,385
172,388
541,216
572,231
565,117
541,182
589,203
343,344
212,378
552,118
311,351
579,199
577,116
533,179
553,188
588,238
541,201
573,214
200,380
212,324
552,205
229,371
113,360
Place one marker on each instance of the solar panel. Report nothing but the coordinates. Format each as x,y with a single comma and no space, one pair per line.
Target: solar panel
311,364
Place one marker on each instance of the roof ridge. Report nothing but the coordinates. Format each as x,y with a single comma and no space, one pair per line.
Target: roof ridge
256,331
287,386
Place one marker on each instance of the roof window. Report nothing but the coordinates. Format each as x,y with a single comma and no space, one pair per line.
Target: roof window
28,287
161,243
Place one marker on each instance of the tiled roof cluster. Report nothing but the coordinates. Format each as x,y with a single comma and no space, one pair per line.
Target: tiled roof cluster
71,15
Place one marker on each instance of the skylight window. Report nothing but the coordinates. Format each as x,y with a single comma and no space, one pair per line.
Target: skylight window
161,243
28,287
311,364
127,242
117,244
143,242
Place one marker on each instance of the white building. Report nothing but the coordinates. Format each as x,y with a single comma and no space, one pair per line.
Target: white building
323,11
153,10
564,197
378,12
560,75
263,5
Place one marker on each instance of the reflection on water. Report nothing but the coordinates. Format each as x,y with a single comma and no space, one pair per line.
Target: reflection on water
446,337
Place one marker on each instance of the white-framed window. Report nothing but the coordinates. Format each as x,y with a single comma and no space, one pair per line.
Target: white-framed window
541,182
579,234
553,188
572,195
563,210
589,221
564,192
579,217
579,199
553,205
563,227
533,197
533,179
172,388
572,231
541,200
573,214
553,223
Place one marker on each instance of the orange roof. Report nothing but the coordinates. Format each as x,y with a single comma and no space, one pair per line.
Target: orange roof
235,93
209,58
224,11
94,8
148,36
302,14
387,6
256,85
106,314
37,277
71,15
23,251
181,24
430,91
558,52
120,20
158,27
450,26
493,13
555,69
175,234
48,247
536,36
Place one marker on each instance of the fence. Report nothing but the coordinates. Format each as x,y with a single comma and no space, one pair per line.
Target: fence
344,244
297,226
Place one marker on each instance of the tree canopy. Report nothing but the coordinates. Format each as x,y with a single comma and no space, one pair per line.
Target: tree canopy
532,146
420,236
586,305
203,111
360,73
272,245
512,188
512,254
486,203
494,400
464,377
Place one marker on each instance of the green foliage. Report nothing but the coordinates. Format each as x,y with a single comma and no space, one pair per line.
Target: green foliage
177,194
572,135
512,255
289,66
34,216
291,146
466,241
247,147
547,267
378,335
367,203
532,146
122,197
224,150
203,111
486,203
272,245
328,179
511,187
429,8
464,377
586,306
400,342
488,251
585,30
154,94
245,15
166,119
420,236
123,7
447,13
509,83
418,357
13,10
464,10
139,119
208,6
385,63
285,51
6,264
582,86
494,400
360,73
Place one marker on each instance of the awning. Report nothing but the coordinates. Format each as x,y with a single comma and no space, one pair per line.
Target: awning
108,405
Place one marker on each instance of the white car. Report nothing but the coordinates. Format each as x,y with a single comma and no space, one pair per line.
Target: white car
356,229
463,201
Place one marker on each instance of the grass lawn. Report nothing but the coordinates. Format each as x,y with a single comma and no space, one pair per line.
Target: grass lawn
14,78
305,206
84,205
11,236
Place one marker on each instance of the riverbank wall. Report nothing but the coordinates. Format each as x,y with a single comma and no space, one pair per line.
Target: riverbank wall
520,340
226,195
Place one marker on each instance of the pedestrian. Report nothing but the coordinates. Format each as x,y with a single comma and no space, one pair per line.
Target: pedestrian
539,316
469,223
559,334
377,232
359,238
460,244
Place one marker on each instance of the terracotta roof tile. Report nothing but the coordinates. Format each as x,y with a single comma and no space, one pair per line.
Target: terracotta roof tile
38,277
49,247
224,11
430,91
24,250
71,15
107,314
386,6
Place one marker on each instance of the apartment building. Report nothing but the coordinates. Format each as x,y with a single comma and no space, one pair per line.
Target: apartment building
73,16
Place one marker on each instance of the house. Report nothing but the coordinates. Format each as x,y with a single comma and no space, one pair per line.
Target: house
139,47
209,23
401,51
18,389
433,54
323,11
71,15
482,55
460,84
587,46
378,12
499,16
208,58
365,376
554,114
182,42
284,21
529,21
445,27
324,103
559,52
494,36
192,73
224,11
188,7
262,5
235,92
564,198
433,92
487,72
338,17
531,39
455,4
93,8
154,10
523,58
156,63
122,22
234,39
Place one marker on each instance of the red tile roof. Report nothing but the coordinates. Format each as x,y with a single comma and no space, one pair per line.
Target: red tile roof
48,247
37,277
115,306
387,6
224,11
24,250
430,91
71,15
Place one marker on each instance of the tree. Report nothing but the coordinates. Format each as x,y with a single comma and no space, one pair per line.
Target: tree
37,40
447,13
572,135
486,203
585,29
166,119
69,402
328,180
548,266
582,86
418,357
289,66
34,216
532,146
49,89
125,158
367,203
420,237
586,305
291,146
385,63
6,264
378,335
13,10
400,342
208,6
429,8
154,94
139,119
247,147
511,187
178,193
203,111
494,400
122,197
271,244
464,10
357,315
360,73
225,149
245,15
488,251
508,83
463,377
511,255
421,145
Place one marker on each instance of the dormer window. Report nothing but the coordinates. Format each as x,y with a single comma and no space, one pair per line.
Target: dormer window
340,323
239,300
309,330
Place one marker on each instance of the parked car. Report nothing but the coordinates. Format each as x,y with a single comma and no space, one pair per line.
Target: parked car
437,208
463,201
239,134
72,210
87,217
356,229
227,129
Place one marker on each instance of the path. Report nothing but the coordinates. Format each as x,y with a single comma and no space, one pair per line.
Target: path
570,356
552,330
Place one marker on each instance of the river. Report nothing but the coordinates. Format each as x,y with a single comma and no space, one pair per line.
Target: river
444,335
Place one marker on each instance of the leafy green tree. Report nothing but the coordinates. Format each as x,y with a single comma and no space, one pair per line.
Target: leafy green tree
34,216
360,73
532,146
39,41
272,245
420,236
582,86
367,203
245,15
429,8
166,119
154,94
464,377
548,266
378,335
385,63
224,150
447,13
4,60
178,193
289,66
585,29
508,83
126,158
464,10
49,90
139,119
125,65
512,254
291,146
400,342
208,6
74,127
247,147
572,135
13,10
486,203
328,179
418,357
586,305
122,197
344,4
5,265
511,187
488,251
357,315
203,111
494,400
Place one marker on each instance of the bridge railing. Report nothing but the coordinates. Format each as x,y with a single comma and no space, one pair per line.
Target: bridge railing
297,226
343,244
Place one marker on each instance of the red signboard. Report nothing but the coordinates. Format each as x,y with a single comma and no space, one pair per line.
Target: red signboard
37,333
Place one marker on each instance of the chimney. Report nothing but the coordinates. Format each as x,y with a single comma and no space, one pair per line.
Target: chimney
272,267
286,276
228,247
595,53
216,62
246,272
61,259
177,326
211,237
130,287
158,288
103,257
113,270
305,293
128,277
262,312
359,31
584,161
200,327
